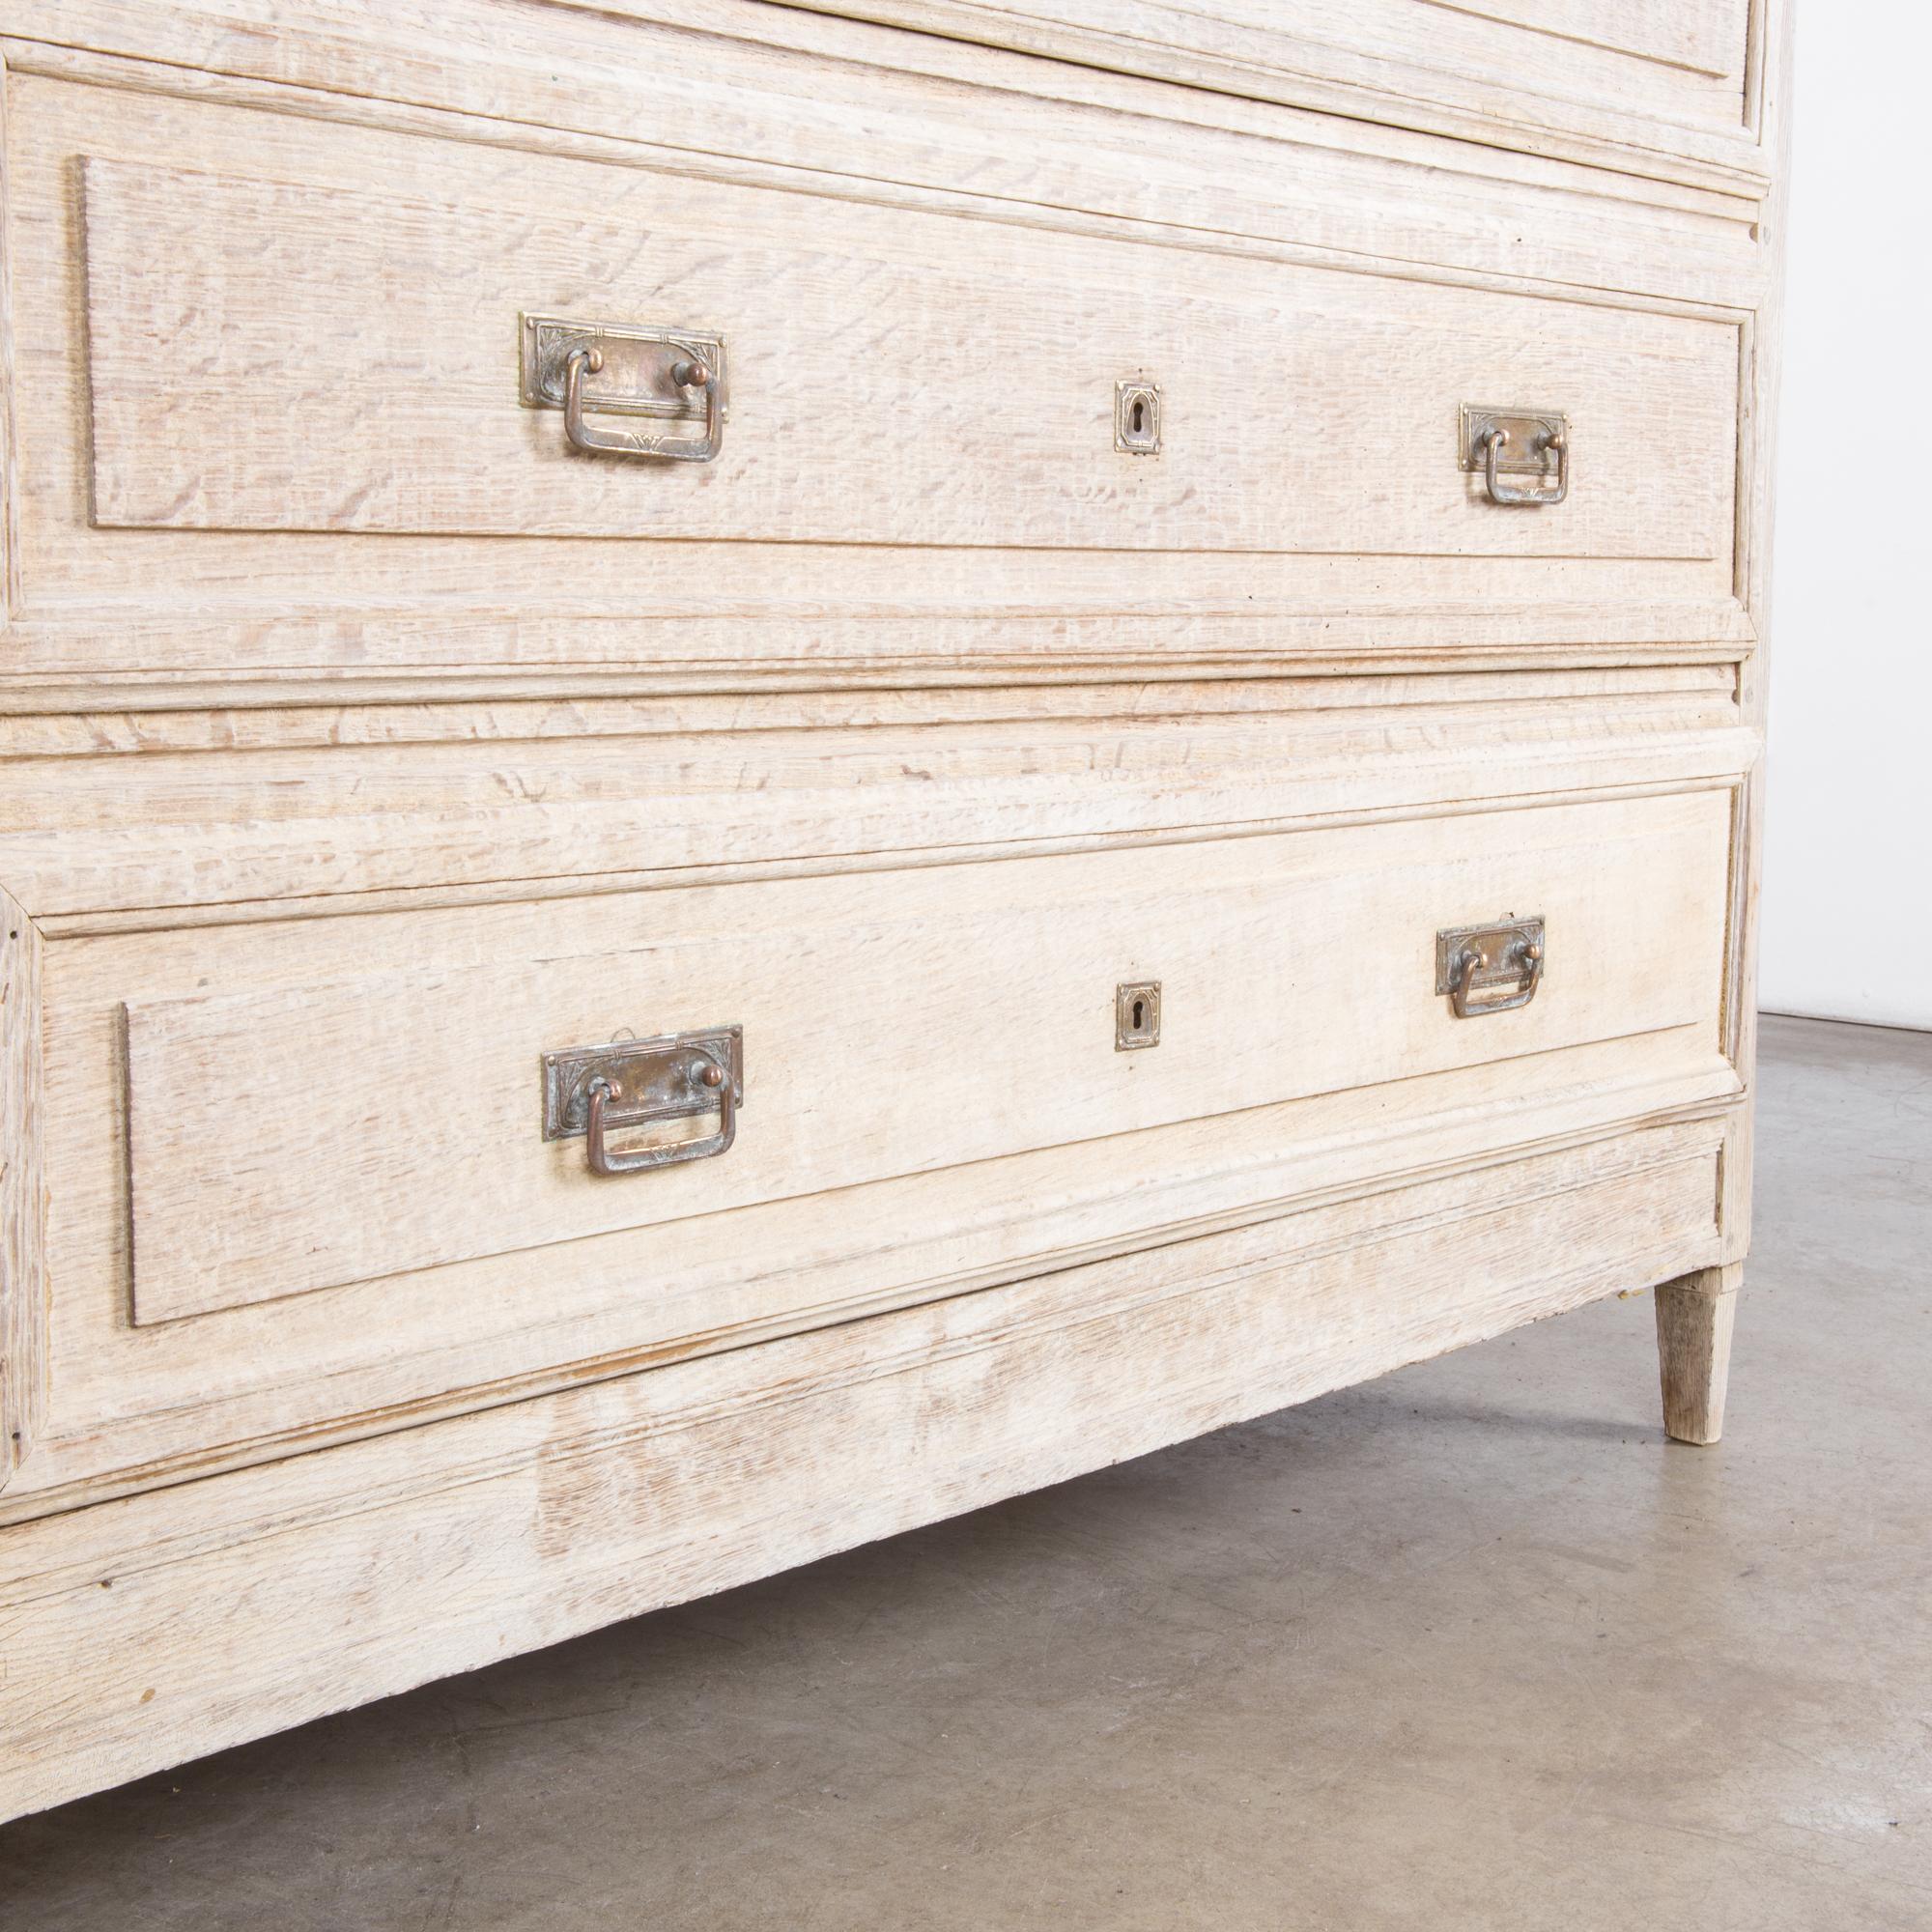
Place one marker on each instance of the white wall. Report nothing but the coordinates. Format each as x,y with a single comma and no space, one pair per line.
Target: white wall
1848,847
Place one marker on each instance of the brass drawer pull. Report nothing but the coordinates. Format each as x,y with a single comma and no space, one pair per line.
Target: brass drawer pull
597,1150
1503,962
686,375
1516,442
647,372
599,1090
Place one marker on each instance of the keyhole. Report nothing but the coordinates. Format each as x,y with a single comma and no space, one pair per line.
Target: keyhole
1136,1014
1137,418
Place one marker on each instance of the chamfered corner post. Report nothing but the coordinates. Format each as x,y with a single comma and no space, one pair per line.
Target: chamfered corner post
1695,1317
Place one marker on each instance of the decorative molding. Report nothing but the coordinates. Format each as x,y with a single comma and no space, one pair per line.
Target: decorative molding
469,126
10,468
489,651
1593,135
176,918
563,1513
1484,1147
24,1194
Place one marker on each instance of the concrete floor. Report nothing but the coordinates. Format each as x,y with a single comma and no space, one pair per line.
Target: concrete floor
1470,1647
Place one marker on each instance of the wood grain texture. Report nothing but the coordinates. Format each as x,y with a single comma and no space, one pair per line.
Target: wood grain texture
940,127
1679,61
937,781
10,468
144,1406
894,381
356,746
1757,469
1638,700
114,605
463,56
1458,75
1695,1316
1290,966
23,1193
464,811
446,1547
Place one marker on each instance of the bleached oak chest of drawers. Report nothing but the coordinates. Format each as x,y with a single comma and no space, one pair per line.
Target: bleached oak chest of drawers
766,769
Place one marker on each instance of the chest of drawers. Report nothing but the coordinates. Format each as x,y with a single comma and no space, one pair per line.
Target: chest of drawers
767,769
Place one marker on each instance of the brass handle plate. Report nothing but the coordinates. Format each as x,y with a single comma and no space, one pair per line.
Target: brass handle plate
607,369
1490,969
1517,443
597,1091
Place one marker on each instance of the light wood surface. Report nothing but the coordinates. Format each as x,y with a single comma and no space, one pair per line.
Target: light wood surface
345,812
887,385
360,744
139,1406
372,1567
263,1163
1677,61
1587,81
23,1311
1558,276
178,805
1694,1318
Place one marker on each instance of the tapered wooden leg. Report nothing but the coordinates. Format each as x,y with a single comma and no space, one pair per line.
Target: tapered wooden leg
1693,1350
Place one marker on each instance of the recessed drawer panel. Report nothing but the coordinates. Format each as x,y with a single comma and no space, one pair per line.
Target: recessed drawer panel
297,357
318,1131
1006,403
320,1173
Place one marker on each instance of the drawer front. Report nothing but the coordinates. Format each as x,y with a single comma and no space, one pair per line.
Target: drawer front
271,417
299,1169
891,1023
1581,67
290,357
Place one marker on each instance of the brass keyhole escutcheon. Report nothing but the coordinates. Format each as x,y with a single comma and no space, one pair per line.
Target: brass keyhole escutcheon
1137,418
1136,1015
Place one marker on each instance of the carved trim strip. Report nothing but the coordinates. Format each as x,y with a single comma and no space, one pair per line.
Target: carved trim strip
23,1198
1644,1138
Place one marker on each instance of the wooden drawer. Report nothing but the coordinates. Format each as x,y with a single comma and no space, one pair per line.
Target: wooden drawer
271,420
890,380
1536,72
331,1193
326,1130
